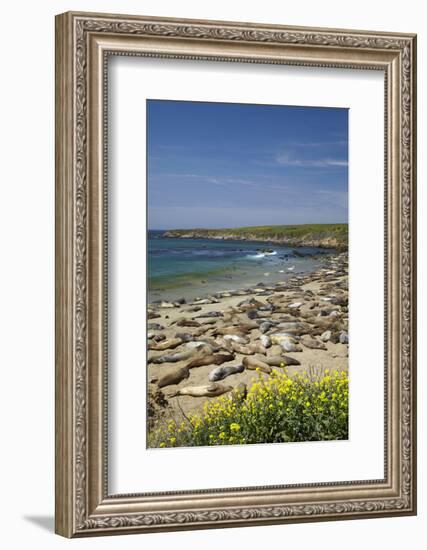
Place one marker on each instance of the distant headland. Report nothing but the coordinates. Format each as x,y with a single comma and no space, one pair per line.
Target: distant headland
327,235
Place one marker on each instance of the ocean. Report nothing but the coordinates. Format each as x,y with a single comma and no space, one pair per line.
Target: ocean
190,268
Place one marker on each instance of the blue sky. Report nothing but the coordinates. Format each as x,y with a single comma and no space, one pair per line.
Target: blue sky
228,165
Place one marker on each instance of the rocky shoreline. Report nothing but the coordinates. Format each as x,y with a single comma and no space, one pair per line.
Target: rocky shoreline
217,344
308,238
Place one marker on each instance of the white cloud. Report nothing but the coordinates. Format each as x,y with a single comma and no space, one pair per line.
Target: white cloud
286,159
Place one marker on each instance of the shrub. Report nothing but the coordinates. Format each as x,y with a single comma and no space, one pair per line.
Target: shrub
278,409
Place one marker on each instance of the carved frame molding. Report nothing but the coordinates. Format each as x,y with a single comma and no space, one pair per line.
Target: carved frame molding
83,43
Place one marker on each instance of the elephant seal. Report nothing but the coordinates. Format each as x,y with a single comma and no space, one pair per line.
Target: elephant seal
187,323
180,356
236,338
250,349
312,343
185,336
266,326
237,329
195,344
279,360
326,336
252,364
222,372
155,326
278,337
166,344
210,314
265,340
211,390
225,344
295,328
174,376
290,344
211,359
343,337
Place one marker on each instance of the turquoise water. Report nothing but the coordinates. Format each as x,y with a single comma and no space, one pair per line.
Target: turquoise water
186,268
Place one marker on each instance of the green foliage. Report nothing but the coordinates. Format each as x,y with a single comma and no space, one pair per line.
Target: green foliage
277,409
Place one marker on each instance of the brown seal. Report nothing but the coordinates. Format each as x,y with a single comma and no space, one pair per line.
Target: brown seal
212,359
173,376
280,360
312,343
250,349
252,364
180,356
211,390
166,344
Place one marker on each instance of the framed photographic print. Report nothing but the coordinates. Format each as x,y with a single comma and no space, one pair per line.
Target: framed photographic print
235,274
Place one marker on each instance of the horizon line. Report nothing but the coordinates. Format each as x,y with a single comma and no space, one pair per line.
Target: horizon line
246,226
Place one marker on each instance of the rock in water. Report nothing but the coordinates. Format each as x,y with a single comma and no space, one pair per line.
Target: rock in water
312,343
222,372
212,390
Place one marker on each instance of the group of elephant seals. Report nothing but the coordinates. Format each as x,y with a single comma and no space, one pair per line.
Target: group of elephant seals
222,372
212,390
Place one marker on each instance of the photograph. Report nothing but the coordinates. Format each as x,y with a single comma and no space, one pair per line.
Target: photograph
247,274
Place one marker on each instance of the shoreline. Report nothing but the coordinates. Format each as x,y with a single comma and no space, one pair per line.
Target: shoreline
232,279
310,310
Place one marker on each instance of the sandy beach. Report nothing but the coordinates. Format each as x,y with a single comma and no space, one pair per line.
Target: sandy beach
306,314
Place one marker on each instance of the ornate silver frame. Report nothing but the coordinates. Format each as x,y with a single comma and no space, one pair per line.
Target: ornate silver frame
83,42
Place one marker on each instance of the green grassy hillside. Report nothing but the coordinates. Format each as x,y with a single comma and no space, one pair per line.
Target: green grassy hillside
331,235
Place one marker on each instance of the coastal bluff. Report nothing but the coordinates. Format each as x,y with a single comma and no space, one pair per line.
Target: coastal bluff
312,235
